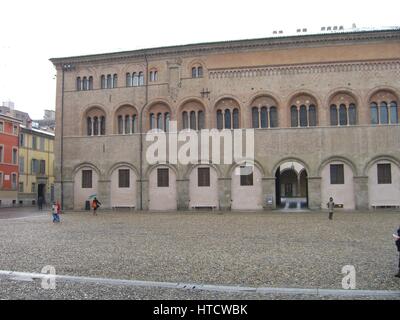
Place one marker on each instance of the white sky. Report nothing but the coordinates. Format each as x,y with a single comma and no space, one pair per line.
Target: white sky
34,31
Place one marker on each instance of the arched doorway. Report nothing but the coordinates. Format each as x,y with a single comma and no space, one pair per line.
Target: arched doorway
291,186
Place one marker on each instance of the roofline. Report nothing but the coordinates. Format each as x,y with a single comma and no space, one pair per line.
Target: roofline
204,47
39,132
10,118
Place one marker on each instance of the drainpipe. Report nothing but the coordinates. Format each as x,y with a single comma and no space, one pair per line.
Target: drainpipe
62,137
141,130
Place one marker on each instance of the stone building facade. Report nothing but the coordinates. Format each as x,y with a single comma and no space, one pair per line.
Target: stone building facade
325,109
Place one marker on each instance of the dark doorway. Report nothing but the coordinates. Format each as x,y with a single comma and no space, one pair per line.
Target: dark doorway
42,192
291,186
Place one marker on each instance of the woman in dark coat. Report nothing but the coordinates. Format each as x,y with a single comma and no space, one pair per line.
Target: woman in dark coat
95,204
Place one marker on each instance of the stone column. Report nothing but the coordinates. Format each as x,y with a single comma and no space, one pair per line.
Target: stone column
224,190
145,194
361,192
182,188
104,193
268,189
314,193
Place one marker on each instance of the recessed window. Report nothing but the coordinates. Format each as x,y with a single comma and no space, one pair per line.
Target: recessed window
384,173
197,72
203,175
337,173
1,126
246,175
123,178
1,153
14,156
86,179
163,177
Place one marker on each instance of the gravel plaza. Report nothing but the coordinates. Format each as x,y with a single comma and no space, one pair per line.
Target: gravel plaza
246,249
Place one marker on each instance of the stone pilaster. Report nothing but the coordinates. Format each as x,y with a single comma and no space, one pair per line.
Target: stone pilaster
182,188
104,193
314,193
224,189
145,195
269,194
361,192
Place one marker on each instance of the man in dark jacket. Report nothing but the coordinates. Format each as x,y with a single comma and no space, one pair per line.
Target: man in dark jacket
398,249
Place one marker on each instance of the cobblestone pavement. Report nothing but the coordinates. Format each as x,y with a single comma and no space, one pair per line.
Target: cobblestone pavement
16,213
292,250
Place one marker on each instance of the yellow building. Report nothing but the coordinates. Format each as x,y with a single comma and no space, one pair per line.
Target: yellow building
36,166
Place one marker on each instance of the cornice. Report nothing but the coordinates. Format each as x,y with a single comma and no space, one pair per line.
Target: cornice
237,45
258,71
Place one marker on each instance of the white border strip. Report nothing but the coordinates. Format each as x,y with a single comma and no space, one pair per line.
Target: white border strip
25,276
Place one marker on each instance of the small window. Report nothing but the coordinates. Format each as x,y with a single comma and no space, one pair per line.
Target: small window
14,156
115,81
1,126
34,143
86,179
203,175
15,130
14,181
22,140
42,168
21,164
384,173
163,177
141,79
128,79
1,153
21,187
103,81
78,84
333,115
33,187
246,176
200,72
90,83
337,173
123,178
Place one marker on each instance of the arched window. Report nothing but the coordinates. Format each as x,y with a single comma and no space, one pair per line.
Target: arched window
127,124
134,124
228,119
264,117
220,121
393,113
115,81
103,81
254,117
185,120
159,121
200,72
352,114
128,80
235,118
135,79
151,76
312,116
333,115
303,116
166,121
342,115
374,113
152,121
155,75
193,120
294,116
200,120
194,72
85,84
109,81
78,84
273,117
102,125
89,126
141,79
383,112
95,126
120,125
90,83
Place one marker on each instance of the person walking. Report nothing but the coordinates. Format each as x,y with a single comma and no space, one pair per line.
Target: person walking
95,205
397,242
54,211
330,205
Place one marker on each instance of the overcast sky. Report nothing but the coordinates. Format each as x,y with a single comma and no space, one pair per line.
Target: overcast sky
31,32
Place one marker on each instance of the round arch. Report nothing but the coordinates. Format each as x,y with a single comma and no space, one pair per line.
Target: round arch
373,160
85,165
156,165
84,111
192,167
119,165
345,160
255,163
291,159
377,89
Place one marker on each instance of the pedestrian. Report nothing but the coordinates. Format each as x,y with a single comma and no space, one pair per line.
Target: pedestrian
58,207
40,203
397,239
54,211
95,205
330,205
